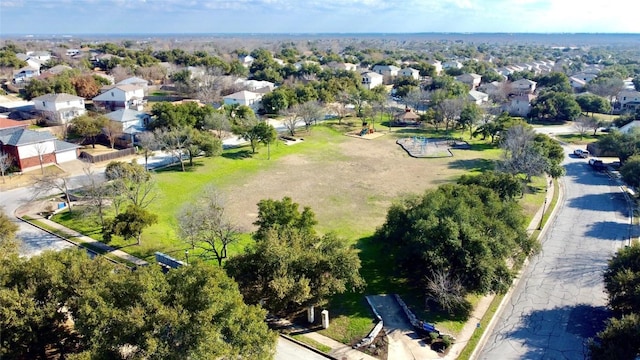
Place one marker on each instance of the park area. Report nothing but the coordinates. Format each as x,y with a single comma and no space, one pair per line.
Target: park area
348,182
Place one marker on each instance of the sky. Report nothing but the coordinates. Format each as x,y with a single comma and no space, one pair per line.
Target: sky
69,17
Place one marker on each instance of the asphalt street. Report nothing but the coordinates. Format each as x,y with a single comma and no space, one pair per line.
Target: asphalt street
560,302
289,350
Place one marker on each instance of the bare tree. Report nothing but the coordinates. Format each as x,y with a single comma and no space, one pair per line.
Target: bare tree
218,122
46,185
450,110
97,192
310,112
291,120
41,150
205,225
112,129
446,290
6,161
521,156
174,141
148,142
584,123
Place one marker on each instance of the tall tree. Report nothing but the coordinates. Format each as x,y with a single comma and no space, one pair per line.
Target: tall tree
521,156
630,171
6,161
204,224
469,116
9,246
89,127
281,215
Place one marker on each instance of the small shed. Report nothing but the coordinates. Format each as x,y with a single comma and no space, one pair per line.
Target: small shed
407,118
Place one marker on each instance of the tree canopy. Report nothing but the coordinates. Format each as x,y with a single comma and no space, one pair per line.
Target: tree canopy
66,303
290,267
463,231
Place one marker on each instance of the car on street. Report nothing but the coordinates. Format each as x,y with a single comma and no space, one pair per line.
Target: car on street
581,153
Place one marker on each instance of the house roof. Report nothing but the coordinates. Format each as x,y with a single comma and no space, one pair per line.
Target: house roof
8,123
243,95
524,81
478,95
64,146
371,74
386,67
58,69
58,97
21,136
124,115
408,115
126,88
626,128
133,80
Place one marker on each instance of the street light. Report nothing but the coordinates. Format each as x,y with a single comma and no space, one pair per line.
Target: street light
543,210
186,255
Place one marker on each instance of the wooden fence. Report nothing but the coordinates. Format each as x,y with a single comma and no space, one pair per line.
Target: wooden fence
108,156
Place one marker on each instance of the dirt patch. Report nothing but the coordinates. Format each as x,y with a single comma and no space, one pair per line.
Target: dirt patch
352,190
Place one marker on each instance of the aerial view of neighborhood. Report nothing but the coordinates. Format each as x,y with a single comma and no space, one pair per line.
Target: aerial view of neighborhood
352,180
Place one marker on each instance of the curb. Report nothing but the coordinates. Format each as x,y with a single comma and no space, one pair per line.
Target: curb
492,323
309,347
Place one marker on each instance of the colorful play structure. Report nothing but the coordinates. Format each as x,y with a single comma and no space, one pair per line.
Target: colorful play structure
367,129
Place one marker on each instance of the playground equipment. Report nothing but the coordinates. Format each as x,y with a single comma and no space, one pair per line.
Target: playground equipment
366,129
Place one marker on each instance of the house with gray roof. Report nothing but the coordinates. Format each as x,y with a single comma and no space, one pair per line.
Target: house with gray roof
31,149
59,109
130,122
137,82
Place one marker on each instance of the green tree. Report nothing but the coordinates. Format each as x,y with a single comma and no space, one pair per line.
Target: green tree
555,81
630,171
130,223
622,280
8,242
464,231
469,116
621,144
281,215
507,186
618,341
195,311
555,106
89,127
591,103
292,269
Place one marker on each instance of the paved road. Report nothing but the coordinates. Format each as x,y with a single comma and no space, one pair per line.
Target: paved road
560,301
289,350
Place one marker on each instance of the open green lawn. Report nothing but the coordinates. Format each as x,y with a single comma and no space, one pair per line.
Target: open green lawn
348,182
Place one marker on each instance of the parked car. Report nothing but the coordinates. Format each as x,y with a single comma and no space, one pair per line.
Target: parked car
581,153
597,164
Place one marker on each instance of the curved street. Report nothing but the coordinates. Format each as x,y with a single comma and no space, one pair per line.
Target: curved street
560,302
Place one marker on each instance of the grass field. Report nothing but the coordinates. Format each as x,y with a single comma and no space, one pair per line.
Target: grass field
348,182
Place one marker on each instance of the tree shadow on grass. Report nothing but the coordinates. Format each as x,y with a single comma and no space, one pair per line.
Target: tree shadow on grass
472,164
238,154
482,146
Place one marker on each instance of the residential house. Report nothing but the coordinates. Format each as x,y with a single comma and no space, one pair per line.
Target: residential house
25,74
42,56
452,64
436,64
244,97
371,79
130,122
585,76
298,65
477,97
492,88
410,72
629,100
256,85
12,124
386,70
59,109
520,105
471,80
121,97
630,126
342,66
577,84
246,60
523,86
137,82
31,149
72,52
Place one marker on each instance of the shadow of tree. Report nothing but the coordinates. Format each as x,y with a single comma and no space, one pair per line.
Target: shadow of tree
560,332
238,155
472,164
598,202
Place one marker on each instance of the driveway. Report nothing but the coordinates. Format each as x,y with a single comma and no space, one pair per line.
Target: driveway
404,343
560,301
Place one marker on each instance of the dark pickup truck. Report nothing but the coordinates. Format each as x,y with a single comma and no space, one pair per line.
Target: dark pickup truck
597,165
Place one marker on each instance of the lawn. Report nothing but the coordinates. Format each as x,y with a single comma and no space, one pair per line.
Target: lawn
348,182
576,139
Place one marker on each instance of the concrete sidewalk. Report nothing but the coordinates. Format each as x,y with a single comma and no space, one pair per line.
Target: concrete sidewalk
78,239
